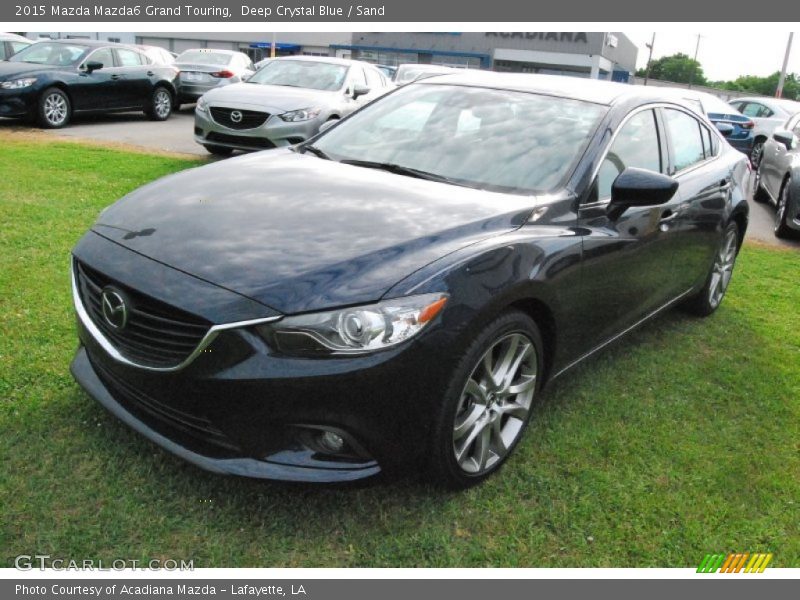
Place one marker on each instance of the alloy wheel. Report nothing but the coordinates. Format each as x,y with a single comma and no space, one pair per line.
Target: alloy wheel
723,268
55,109
495,403
780,213
755,154
162,104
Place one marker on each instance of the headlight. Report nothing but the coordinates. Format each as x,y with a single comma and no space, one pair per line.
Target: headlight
355,330
304,114
16,84
201,104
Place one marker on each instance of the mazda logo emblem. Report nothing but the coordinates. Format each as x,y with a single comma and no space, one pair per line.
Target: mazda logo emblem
115,309
236,116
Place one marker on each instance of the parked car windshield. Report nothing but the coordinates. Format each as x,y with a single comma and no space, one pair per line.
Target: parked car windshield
205,57
50,53
302,73
484,138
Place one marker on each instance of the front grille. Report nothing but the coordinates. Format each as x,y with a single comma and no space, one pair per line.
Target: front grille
239,140
156,335
250,118
187,419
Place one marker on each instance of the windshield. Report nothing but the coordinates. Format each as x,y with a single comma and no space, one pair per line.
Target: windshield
483,138
302,73
205,57
50,53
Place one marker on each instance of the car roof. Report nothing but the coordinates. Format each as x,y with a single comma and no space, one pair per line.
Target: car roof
81,42
210,50
326,59
13,37
784,103
576,88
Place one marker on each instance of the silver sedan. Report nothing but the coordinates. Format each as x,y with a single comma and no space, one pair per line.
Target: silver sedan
284,103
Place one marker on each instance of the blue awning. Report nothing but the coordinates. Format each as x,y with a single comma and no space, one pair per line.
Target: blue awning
278,46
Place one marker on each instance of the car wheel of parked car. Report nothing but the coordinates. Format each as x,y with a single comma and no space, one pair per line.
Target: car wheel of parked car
488,401
755,153
759,193
710,297
54,108
782,229
218,150
160,105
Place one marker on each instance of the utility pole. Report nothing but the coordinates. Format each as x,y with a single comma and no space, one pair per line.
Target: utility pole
649,58
694,65
272,46
782,80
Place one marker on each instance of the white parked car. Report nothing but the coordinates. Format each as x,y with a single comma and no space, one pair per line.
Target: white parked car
768,114
11,43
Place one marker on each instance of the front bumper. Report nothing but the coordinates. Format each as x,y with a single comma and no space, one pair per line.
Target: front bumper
274,133
18,103
299,466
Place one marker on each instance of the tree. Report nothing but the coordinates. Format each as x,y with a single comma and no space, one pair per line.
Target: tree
678,68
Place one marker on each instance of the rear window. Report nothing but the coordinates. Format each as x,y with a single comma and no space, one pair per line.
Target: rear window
205,57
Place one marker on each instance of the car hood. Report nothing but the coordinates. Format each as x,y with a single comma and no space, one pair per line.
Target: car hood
298,233
275,97
10,70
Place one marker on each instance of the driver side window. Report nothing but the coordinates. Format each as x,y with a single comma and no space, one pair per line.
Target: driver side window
636,145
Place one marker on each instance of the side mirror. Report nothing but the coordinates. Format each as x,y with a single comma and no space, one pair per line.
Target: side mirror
639,187
93,66
787,138
726,129
360,90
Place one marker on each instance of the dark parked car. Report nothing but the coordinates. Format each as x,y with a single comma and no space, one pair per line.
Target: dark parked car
204,69
52,80
777,179
397,290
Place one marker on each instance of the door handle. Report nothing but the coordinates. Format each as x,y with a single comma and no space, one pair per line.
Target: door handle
668,215
115,77
150,73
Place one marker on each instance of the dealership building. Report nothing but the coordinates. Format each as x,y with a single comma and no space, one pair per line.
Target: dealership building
582,54
599,55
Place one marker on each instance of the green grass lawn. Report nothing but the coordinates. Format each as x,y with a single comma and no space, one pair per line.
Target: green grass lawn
681,440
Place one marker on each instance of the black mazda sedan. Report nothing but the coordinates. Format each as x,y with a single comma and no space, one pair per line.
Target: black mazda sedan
395,291
49,81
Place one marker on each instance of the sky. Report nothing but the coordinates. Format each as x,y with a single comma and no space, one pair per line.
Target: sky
724,53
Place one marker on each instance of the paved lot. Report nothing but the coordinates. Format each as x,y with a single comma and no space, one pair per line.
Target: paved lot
175,135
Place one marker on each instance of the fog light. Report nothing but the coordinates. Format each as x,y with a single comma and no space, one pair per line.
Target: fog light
331,442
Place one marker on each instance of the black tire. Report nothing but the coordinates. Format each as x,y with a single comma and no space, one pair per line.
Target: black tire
445,469
54,109
218,150
160,105
708,299
755,153
782,229
759,193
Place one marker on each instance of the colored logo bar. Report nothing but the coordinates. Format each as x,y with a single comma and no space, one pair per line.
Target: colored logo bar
740,562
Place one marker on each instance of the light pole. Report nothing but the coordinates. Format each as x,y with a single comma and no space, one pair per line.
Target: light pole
649,58
694,65
782,80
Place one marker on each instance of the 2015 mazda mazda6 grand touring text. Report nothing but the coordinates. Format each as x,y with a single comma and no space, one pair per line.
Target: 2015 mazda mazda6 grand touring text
395,291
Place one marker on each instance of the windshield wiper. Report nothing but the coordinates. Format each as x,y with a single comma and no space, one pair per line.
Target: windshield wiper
401,170
315,151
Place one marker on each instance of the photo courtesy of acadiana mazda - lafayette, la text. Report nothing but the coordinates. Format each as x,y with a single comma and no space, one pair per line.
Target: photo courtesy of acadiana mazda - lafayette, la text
50,81
394,292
